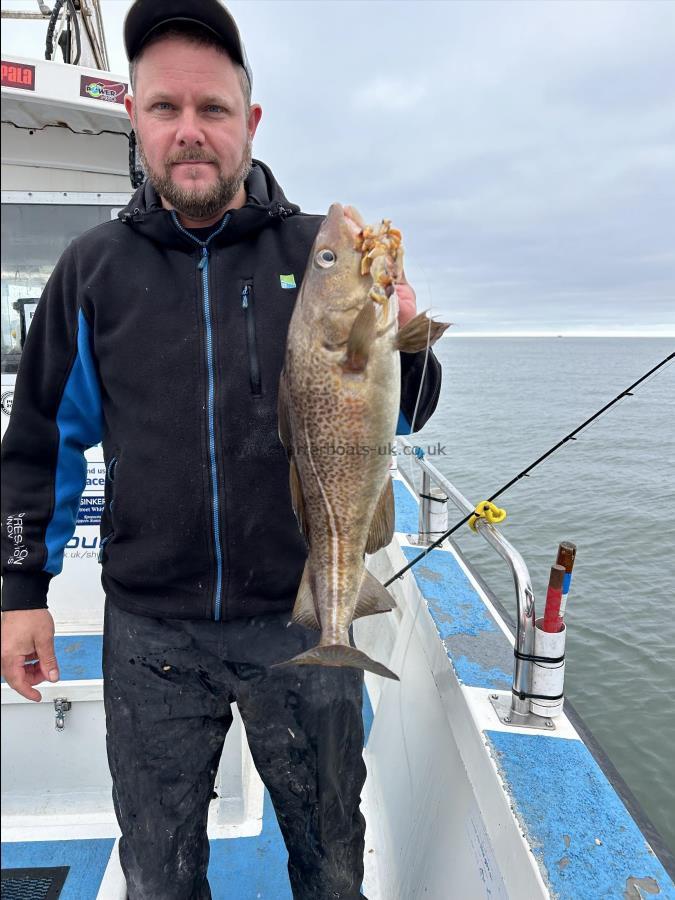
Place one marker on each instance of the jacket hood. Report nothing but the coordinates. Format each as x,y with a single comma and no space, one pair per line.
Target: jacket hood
266,205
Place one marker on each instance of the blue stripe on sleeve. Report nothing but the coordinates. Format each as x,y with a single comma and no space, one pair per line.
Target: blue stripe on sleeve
80,423
403,425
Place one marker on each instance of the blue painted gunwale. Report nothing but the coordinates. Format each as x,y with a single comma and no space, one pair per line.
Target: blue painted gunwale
560,794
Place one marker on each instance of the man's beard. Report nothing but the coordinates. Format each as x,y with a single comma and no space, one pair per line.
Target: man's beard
198,203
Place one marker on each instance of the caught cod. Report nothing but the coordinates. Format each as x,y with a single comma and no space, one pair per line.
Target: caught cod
339,396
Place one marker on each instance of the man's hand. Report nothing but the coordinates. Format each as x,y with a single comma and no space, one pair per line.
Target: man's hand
407,301
28,638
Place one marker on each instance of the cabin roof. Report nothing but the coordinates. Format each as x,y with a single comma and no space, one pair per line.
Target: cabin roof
37,93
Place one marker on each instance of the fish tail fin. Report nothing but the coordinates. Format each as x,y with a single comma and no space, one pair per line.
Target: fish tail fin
339,655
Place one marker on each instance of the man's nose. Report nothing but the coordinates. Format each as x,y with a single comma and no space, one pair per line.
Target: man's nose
189,132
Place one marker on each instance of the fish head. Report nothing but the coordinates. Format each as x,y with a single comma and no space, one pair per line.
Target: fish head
333,288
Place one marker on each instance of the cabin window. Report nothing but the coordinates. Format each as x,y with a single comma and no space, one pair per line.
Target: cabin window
34,236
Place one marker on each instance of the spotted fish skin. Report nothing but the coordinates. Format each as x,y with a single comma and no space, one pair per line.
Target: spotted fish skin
338,407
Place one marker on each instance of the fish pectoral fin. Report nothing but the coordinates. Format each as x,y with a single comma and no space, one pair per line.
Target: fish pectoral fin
304,611
373,597
285,434
297,499
361,336
382,526
418,333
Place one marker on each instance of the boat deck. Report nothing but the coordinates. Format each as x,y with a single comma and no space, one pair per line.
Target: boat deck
242,867
540,807
250,866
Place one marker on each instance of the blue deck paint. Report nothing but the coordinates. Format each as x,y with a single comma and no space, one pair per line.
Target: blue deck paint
252,867
474,674
564,802
479,650
407,515
451,596
87,861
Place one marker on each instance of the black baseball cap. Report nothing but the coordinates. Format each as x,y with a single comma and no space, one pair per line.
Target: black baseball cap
145,16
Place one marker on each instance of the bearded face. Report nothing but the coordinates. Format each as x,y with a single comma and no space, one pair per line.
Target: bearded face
202,199
193,126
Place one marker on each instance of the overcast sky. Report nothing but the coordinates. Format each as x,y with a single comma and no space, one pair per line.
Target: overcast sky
525,149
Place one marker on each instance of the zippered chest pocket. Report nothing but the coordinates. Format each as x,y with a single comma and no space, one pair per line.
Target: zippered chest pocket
248,312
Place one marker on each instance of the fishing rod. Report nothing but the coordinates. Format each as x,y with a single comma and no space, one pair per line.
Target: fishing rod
570,437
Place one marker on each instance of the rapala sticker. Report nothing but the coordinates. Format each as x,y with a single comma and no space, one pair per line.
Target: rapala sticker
102,89
18,75
7,399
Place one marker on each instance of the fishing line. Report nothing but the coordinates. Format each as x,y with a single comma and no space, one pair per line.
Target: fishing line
404,742
427,349
525,473
571,436
424,372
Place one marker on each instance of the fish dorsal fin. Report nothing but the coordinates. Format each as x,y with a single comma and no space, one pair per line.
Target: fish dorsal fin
297,499
382,526
304,611
373,597
418,332
285,434
361,336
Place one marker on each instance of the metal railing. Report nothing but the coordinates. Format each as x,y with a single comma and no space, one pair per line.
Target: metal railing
525,630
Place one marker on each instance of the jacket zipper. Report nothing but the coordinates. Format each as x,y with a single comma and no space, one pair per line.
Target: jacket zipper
253,361
203,267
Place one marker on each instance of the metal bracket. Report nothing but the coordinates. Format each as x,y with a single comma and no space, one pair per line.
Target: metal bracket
508,716
61,707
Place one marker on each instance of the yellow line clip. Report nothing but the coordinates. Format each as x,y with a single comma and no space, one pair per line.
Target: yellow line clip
487,510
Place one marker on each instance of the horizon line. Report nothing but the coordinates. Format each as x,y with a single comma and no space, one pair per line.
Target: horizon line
556,334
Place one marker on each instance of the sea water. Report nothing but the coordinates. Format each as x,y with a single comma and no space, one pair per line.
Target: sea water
506,401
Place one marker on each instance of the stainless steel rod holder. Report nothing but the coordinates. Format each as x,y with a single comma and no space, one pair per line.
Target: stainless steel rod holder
522,670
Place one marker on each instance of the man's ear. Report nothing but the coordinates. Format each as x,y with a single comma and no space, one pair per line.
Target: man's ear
254,116
131,109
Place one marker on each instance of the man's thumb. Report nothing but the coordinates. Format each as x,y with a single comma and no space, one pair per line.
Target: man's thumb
48,663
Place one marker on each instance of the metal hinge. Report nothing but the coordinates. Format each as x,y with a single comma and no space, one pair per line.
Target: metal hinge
61,707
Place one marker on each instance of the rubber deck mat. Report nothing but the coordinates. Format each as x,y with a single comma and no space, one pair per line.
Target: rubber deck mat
33,884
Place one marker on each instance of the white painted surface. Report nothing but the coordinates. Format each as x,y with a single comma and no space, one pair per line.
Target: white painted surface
57,785
444,826
548,678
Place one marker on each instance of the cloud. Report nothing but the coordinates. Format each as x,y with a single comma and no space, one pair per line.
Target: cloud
385,94
527,150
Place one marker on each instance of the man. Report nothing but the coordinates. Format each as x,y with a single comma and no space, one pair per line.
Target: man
162,335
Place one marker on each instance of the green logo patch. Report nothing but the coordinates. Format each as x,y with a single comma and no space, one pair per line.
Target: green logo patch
287,282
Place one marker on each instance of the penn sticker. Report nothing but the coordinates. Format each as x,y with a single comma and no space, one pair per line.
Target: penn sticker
287,282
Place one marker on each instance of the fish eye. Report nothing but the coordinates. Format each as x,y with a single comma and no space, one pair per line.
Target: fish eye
326,258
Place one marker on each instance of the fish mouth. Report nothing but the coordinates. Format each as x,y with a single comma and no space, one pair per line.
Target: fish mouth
333,224
339,225
354,219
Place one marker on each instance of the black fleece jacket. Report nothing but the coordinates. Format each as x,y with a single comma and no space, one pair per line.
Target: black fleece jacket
168,351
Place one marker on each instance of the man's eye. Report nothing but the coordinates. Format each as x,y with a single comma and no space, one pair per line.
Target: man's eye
162,106
215,109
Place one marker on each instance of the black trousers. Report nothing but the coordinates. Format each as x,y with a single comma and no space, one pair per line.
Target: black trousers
168,686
